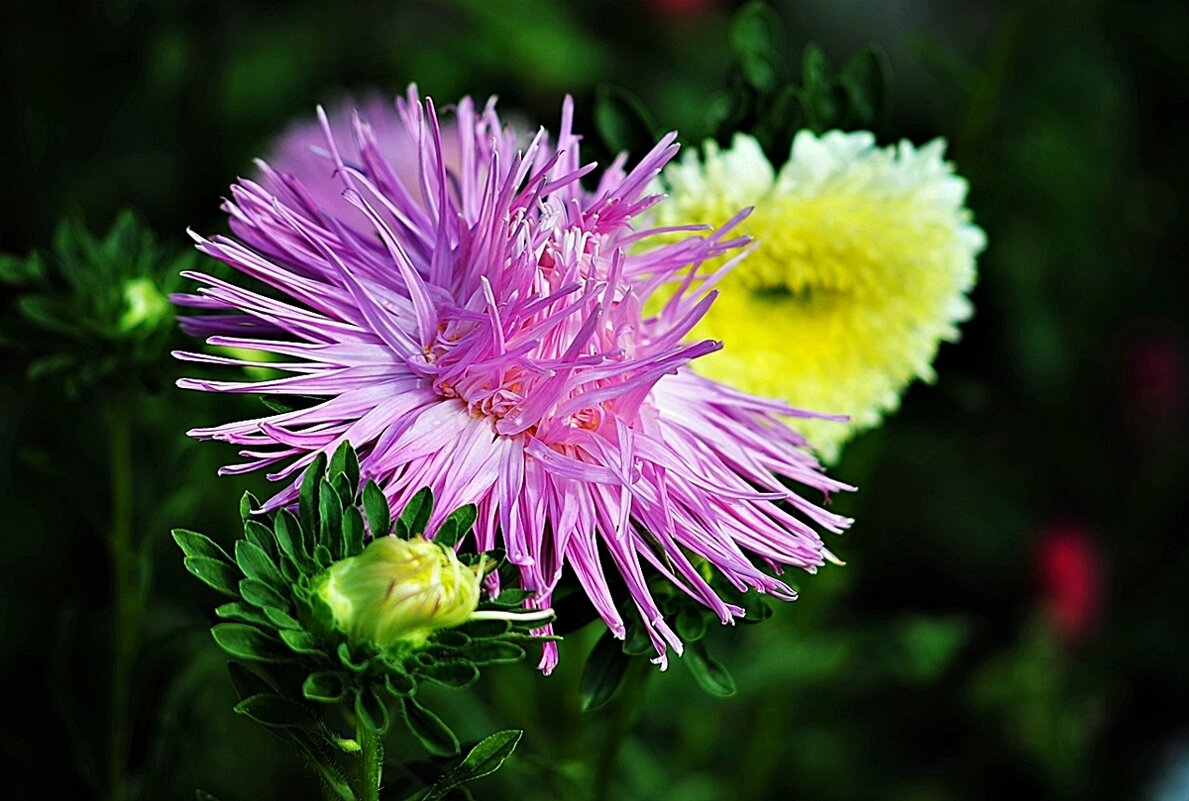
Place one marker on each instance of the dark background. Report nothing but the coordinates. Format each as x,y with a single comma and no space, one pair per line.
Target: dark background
1012,620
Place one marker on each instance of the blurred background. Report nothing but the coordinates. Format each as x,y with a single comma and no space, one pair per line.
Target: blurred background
1012,619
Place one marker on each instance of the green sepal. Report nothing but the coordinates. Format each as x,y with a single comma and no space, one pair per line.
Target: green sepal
259,594
288,535
323,556
346,462
352,531
248,681
399,683
281,619
372,709
451,638
707,672
249,643
379,516
194,544
349,661
247,504
456,673
261,536
244,613
307,499
324,687
604,671
456,526
330,522
636,642
690,624
495,652
256,564
481,629
415,516
434,735
512,597
301,642
276,711
488,755
214,573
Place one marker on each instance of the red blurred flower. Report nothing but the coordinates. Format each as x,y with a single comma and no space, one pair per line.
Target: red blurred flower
1070,566
1155,376
680,8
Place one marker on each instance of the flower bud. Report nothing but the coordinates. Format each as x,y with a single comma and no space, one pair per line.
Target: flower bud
397,592
146,308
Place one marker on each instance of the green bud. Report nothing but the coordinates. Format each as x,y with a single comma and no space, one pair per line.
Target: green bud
397,592
145,307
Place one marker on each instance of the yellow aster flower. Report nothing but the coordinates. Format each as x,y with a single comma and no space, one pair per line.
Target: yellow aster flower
863,260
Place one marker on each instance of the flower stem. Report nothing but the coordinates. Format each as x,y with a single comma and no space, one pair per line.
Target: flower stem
127,594
625,708
372,744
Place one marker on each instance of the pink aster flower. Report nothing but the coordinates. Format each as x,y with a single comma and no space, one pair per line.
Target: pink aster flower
483,335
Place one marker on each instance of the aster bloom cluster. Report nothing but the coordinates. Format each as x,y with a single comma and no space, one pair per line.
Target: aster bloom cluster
474,324
863,260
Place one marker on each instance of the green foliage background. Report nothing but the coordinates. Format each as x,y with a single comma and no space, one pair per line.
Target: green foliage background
925,670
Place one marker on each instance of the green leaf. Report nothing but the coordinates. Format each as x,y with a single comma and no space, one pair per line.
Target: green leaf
313,752
622,120
324,686
215,573
488,755
456,526
866,81
203,795
352,531
604,672
427,727
372,709
707,672
307,500
417,511
376,505
330,513
457,673
262,595
274,710
249,643
756,32
199,545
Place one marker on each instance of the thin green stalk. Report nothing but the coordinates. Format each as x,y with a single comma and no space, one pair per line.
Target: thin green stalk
126,595
372,769
624,710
